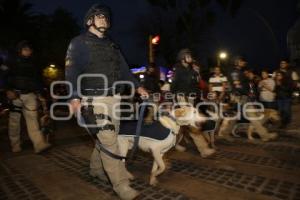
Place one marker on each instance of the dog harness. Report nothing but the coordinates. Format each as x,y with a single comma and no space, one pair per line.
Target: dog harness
155,131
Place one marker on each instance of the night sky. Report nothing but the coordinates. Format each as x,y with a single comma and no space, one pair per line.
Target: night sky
258,31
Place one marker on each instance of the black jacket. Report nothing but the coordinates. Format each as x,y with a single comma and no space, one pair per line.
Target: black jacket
287,76
88,54
284,90
237,75
185,80
151,83
24,75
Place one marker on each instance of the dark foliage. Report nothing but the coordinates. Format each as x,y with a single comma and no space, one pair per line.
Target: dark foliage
49,34
182,23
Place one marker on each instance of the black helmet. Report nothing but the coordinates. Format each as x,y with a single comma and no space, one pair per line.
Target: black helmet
182,53
98,9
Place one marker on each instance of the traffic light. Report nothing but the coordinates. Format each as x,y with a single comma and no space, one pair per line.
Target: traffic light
153,41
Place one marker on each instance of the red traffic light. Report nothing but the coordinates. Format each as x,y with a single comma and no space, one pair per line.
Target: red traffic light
155,40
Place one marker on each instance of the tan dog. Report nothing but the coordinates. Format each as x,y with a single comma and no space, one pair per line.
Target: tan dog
198,138
269,115
233,127
178,117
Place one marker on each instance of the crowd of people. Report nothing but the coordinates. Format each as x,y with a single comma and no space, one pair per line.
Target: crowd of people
273,89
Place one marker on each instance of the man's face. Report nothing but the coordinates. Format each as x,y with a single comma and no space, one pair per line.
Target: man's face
11,95
242,63
264,75
100,22
251,76
284,65
188,58
26,52
217,71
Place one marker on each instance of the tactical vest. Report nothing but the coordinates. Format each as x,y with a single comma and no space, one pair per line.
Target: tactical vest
24,75
104,58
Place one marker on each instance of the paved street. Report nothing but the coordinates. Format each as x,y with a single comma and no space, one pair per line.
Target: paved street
239,171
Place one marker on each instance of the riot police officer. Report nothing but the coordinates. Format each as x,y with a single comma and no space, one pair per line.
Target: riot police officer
186,79
94,53
23,83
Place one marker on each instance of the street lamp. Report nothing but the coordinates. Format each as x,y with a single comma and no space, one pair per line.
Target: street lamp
51,72
221,56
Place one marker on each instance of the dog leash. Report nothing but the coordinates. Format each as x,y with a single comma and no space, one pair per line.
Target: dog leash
100,147
98,144
138,128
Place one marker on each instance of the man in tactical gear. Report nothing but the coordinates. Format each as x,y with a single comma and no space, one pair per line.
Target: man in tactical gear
185,82
23,82
93,53
185,86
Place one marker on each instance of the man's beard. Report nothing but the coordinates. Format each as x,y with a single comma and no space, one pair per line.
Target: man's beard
101,29
189,63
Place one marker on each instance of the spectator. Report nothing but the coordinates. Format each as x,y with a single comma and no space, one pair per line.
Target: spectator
196,67
217,84
288,73
252,82
151,80
243,87
266,90
238,80
283,92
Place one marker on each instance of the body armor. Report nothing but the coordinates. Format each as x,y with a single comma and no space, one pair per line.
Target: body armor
24,75
104,58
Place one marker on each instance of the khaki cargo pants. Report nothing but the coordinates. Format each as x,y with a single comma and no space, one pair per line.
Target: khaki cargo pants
100,162
28,103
